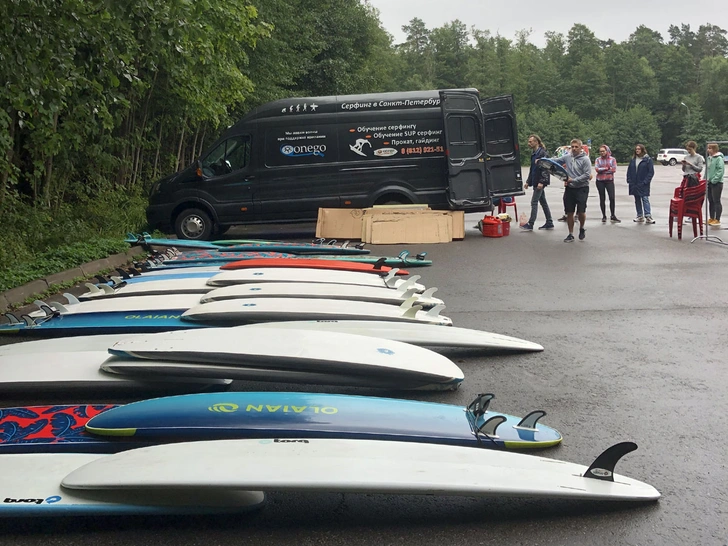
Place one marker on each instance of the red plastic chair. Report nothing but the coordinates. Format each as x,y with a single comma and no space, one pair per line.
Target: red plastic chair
688,203
504,202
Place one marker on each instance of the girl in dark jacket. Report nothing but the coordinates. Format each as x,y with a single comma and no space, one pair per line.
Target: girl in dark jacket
639,176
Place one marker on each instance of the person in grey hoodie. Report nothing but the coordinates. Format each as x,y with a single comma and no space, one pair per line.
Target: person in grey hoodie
578,170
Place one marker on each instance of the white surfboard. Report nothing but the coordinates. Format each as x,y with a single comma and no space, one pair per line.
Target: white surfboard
322,290
246,310
288,274
126,305
98,343
151,288
80,371
425,335
356,466
154,369
298,350
31,486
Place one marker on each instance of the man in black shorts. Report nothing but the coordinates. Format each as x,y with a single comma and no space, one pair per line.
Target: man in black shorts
578,169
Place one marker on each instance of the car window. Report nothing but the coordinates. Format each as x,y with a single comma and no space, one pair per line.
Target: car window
661,152
229,156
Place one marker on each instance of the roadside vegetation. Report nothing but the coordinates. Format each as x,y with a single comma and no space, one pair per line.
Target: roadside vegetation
102,98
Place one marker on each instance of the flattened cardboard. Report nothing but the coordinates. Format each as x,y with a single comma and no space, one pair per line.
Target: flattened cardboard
385,227
339,223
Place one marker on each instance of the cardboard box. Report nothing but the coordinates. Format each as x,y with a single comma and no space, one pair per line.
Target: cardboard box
339,223
392,224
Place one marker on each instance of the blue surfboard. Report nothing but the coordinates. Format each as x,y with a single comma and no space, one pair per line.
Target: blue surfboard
553,167
140,322
311,415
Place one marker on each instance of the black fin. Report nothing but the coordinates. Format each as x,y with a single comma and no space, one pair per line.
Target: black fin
530,420
12,318
421,255
359,246
603,466
379,263
490,427
479,406
123,273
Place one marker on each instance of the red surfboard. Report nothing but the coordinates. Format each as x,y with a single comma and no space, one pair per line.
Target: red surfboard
312,263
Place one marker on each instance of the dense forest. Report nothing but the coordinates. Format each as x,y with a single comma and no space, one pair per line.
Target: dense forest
101,98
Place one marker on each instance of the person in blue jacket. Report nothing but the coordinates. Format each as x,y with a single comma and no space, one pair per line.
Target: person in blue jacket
538,179
639,176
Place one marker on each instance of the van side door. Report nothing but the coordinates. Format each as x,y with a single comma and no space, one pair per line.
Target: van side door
502,154
463,119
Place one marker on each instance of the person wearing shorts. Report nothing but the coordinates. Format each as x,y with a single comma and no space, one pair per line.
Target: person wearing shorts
576,192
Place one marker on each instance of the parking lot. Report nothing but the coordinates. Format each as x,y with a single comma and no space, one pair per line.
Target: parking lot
633,324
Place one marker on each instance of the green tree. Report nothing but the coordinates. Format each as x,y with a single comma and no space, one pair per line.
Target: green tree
451,52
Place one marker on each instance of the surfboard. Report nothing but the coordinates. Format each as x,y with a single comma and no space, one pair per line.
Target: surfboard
321,290
309,415
298,350
554,168
358,466
312,263
158,369
80,371
297,248
247,310
54,429
133,304
425,335
242,276
159,287
99,343
31,486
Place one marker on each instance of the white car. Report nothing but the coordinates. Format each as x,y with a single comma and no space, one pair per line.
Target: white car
671,156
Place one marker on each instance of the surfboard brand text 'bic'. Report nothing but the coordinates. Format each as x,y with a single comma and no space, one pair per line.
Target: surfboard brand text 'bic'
265,408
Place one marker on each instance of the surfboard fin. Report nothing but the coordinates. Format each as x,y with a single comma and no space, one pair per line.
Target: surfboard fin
92,289
379,263
60,308
479,406
406,285
72,300
421,256
29,321
435,311
603,466
530,420
409,303
412,311
403,256
43,306
429,292
12,318
390,279
490,427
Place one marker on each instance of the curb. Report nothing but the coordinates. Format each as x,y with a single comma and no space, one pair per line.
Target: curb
17,296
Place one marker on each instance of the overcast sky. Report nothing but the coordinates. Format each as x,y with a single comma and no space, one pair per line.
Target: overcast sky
615,19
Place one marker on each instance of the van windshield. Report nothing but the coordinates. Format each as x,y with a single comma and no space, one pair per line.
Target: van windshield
229,156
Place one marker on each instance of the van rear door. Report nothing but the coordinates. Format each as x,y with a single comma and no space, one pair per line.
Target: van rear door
463,122
502,154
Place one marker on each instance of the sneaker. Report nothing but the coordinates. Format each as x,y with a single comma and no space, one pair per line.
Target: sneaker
649,220
711,221
615,220
569,238
563,218
547,225
582,234
527,227
639,219
716,223
604,219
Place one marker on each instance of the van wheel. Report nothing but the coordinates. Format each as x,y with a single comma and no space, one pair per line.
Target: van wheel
220,230
673,162
392,201
193,224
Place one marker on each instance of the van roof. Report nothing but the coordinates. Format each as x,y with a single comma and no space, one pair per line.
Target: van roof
297,106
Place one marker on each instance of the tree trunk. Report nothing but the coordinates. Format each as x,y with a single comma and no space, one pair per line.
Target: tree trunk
181,142
159,147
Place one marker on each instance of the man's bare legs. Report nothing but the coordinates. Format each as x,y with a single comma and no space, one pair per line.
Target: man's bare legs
582,219
570,221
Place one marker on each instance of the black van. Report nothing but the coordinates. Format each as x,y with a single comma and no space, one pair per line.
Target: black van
288,158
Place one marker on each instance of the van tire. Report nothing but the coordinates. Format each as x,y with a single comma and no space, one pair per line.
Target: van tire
193,224
220,230
393,201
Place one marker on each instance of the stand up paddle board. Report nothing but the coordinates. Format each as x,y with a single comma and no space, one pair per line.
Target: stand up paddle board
312,263
553,167
242,276
321,290
141,369
63,371
358,466
424,335
62,345
308,415
174,285
247,310
31,486
297,350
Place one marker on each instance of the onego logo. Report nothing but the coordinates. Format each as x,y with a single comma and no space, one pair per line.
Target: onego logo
49,500
304,150
385,152
223,408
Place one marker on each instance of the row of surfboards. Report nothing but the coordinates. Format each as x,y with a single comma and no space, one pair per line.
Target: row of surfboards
219,452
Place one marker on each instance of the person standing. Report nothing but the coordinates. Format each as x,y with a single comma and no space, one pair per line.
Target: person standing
576,192
692,164
538,179
639,177
605,166
716,171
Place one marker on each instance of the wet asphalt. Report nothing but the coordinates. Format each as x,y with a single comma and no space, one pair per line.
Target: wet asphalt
634,328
